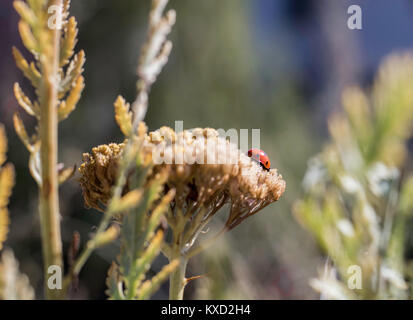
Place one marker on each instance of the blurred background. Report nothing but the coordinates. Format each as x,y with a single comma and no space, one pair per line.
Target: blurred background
274,65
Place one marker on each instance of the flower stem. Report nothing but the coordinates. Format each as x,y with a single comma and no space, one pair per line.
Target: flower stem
177,281
48,193
117,192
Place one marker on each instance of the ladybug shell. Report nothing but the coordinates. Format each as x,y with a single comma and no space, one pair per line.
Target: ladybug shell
261,157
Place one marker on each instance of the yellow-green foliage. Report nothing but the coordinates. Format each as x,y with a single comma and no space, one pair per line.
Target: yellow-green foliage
380,124
49,35
356,201
36,34
143,207
6,185
141,212
136,198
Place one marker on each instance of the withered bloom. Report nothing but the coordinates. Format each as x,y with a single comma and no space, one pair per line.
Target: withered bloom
98,174
206,171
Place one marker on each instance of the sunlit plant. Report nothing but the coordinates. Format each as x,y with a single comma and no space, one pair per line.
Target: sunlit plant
150,207
358,197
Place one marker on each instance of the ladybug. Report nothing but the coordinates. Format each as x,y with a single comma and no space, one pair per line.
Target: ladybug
261,157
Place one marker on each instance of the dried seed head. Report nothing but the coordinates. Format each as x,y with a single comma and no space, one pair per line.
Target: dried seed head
98,174
207,172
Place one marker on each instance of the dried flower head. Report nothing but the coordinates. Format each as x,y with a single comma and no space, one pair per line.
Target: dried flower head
206,170
214,172
98,173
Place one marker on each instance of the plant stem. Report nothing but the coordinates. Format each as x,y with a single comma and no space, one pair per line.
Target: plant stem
49,196
177,280
91,245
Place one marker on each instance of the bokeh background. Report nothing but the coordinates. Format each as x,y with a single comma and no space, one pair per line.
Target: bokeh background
274,65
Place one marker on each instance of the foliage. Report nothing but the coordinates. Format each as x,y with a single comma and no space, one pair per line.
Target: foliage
37,38
141,241
56,77
141,209
357,201
13,284
358,192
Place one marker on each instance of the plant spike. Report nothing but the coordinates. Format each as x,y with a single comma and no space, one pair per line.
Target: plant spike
56,99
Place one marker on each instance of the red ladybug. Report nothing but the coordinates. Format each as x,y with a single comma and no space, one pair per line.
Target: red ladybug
261,157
